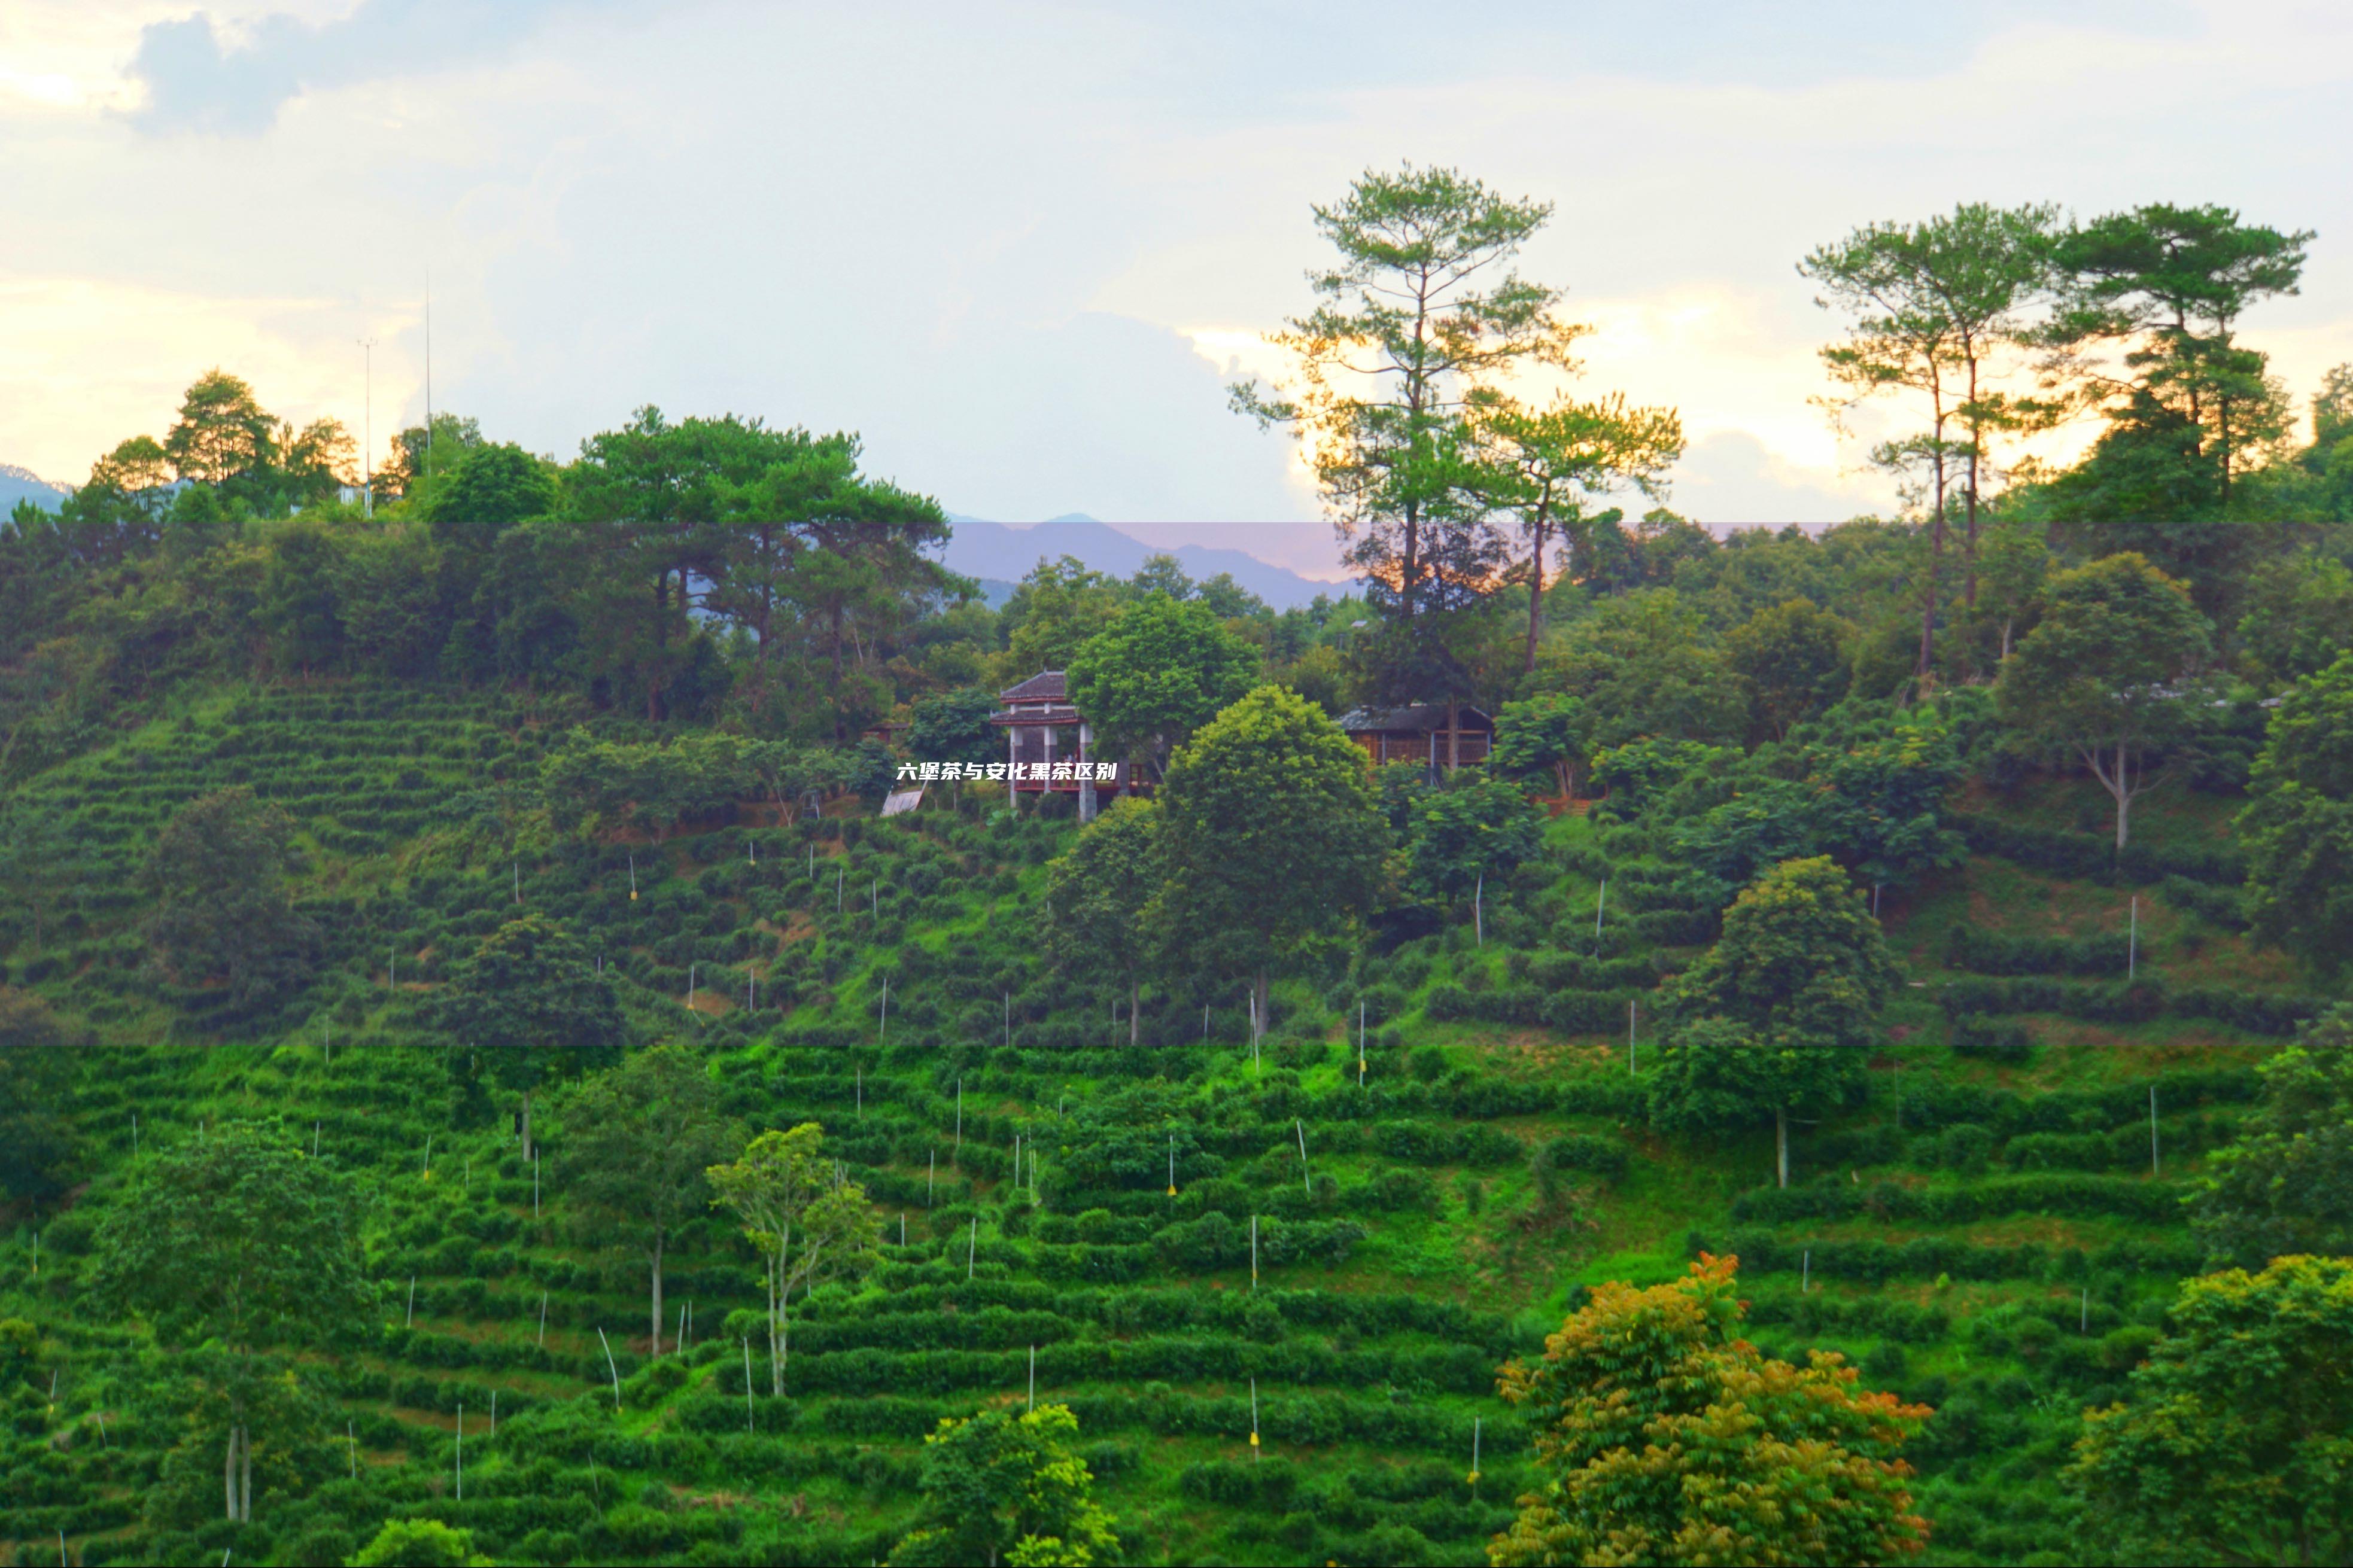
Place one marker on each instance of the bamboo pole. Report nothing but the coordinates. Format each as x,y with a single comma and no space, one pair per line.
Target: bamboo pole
612,1368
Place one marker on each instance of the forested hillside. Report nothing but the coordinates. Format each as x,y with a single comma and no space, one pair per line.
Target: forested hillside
480,1078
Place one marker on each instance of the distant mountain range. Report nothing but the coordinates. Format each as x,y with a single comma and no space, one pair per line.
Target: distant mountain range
22,484
1001,555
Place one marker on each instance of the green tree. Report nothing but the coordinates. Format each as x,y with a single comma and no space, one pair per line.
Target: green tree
1551,732
1934,305
1474,831
804,1219
1273,839
1551,462
1662,1435
490,489
1645,663
1159,671
217,874
222,432
530,1003
998,1486
1793,659
2168,285
1052,612
234,1248
2286,1186
635,1143
1401,311
1099,895
2231,1445
2013,566
419,1543
2110,674
2297,824
953,727
38,1056
1781,1013
2298,607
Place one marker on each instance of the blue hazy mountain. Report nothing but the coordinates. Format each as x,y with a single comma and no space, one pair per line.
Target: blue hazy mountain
22,484
1001,555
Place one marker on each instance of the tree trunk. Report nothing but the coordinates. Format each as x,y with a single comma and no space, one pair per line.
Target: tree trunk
1536,591
1260,989
1453,734
776,1352
244,1475
657,1284
1781,1142
1134,991
228,1473
1928,602
526,1127
2123,792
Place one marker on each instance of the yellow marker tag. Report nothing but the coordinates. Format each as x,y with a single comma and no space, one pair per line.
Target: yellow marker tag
1360,1064
633,895
1172,1192
1474,1478
1253,1439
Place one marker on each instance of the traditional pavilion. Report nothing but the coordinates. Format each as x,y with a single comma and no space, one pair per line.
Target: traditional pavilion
1419,735
1042,729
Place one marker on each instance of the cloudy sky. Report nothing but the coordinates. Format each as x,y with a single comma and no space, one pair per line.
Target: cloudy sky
1022,247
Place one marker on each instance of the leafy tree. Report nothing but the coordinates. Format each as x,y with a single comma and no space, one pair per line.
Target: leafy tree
953,727
2298,822
1272,837
218,873
2013,565
419,1543
1645,663
2168,285
806,1222
1099,895
1004,1488
2231,1444
1550,462
1474,830
1779,1013
1548,733
2109,673
1793,656
1052,612
222,433
2286,1186
1159,671
1662,1435
37,1058
490,489
1934,304
635,1144
530,1003
791,774
234,1248
2298,609
1638,774
1400,307
651,785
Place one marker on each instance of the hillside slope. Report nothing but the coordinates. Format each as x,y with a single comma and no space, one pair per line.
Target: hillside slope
1349,1251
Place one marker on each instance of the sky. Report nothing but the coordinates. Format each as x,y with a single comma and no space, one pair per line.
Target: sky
1023,248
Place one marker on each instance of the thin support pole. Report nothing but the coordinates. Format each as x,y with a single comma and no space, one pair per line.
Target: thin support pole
610,1367
2152,1131
411,1322
959,1126
1629,1039
747,1373
1360,1044
1600,904
1806,1272
352,1437
461,1452
1478,909
930,1178
2132,942
1033,1377
1475,1424
1300,1128
1253,1421
972,1247
1253,1252
535,1184
543,1320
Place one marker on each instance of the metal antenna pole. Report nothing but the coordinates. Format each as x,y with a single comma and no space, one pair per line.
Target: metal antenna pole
367,428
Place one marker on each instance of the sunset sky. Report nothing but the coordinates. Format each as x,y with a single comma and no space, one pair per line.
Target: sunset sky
1022,247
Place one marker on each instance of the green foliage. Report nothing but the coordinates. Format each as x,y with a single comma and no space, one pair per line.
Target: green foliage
530,1002
217,874
1664,1436
2298,823
1476,829
37,1140
419,1543
2109,673
1273,839
2287,1186
1159,671
953,727
2231,1444
1793,658
1000,1487
1780,1011
1099,895
1545,735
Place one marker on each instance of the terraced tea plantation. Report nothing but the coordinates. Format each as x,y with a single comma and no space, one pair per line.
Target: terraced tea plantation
1274,1282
